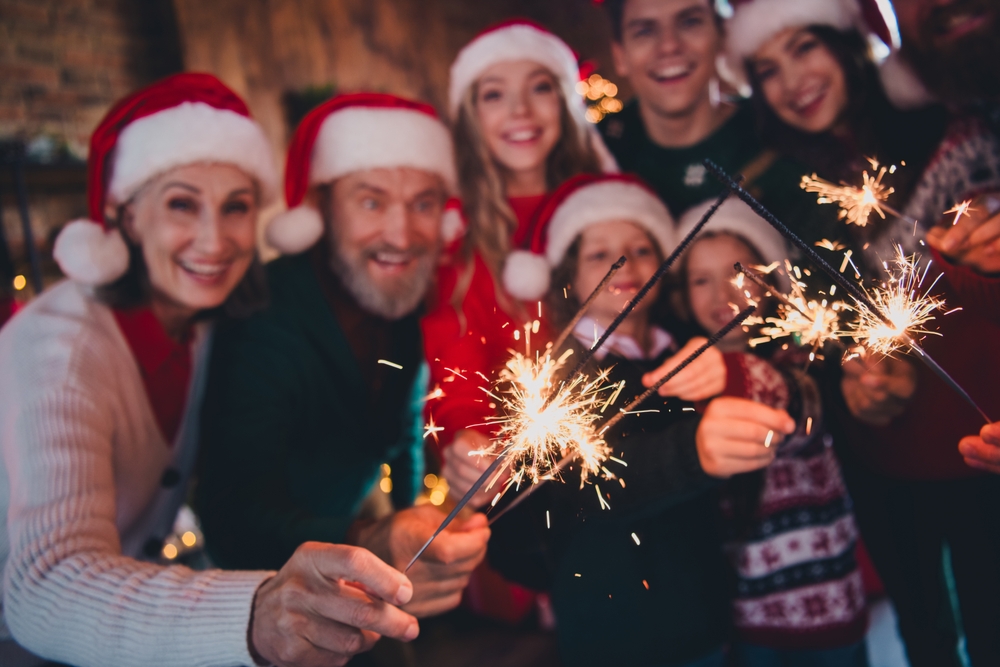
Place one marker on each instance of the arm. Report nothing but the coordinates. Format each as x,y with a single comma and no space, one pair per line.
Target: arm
69,593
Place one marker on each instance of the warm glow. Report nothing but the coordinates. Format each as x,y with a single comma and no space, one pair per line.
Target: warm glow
20,282
189,539
430,480
169,551
856,203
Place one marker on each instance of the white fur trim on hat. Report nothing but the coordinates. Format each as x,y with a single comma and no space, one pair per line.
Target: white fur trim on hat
901,84
88,254
756,21
358,138
190,133
526,275
518,41
605,201
295,230
452,225
735,217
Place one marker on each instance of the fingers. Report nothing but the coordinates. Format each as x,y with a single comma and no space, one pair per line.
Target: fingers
980,454
991,434
339,561
743,410
351,613
701,379
737,435
458,548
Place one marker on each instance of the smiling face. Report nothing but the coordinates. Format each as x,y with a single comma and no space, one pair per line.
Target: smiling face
952,45
600,246
710,289
519,110
384,227
667,52
801,80
195,226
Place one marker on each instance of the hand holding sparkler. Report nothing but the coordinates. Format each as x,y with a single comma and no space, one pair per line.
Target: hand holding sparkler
982,451
443,573
706,376
464,463
877,388
737,435
970,234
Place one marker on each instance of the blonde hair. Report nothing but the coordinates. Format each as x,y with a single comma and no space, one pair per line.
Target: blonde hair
491,221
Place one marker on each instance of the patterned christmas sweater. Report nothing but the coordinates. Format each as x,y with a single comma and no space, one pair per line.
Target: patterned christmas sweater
797,582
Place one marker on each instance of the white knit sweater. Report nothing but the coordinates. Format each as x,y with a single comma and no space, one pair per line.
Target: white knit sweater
81,493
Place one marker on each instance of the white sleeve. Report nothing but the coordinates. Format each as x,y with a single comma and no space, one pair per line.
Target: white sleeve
69,593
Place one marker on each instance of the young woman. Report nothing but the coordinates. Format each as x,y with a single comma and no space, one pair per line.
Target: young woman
100,396
820,100
789,529
638,560
519,131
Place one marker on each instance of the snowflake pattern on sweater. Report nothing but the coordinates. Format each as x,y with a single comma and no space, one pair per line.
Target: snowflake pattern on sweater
798,584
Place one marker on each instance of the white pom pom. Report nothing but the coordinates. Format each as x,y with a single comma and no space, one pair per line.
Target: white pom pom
90,255
902,85
295,230
526,275
452,225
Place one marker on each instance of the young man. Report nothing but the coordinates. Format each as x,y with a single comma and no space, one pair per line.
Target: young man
308,399
667,49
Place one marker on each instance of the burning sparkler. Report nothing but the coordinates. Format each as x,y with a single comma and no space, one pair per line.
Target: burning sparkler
864,302
902,308
856,203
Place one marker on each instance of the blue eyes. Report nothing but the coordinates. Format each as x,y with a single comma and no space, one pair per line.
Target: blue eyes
182,204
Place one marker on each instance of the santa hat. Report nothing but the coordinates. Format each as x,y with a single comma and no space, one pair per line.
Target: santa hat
582,201
183,119
351,133
736,218
520,39
754,22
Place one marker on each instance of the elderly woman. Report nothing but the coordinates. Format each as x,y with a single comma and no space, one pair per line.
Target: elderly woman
99,401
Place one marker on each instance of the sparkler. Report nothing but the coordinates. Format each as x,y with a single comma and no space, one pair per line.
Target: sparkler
809,322
632,405
568,329
856,203
863,301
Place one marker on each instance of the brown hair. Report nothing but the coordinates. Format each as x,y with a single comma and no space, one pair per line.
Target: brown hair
491,219
133,289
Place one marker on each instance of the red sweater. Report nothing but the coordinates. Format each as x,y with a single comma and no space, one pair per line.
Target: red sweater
922,443
463,345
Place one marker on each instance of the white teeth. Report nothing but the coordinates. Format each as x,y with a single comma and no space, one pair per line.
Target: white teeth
209,270
807,99
391,258
672,71
522,135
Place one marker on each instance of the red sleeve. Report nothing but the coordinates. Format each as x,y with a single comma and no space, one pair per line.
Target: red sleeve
973,289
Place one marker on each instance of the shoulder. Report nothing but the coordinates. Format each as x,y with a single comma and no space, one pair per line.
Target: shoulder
623,131
62,332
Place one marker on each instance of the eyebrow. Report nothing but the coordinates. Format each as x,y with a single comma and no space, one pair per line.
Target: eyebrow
370,187
241,191
180,184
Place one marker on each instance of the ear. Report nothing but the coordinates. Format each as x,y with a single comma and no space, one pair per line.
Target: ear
124,217
619,59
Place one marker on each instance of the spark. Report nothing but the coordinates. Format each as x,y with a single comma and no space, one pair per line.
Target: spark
963,208
393,364
769,438
543,420
432,429
856,203
904,307
832,246
635,538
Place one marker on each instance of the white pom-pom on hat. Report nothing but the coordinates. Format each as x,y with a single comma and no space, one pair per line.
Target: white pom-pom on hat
526,276
88,254
295,230
901,84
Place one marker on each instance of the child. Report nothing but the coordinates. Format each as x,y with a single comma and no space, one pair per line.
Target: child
644,581
790,528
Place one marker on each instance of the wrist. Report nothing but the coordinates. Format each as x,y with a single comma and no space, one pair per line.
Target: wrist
258,659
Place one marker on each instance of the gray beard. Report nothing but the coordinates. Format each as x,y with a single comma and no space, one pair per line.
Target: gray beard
353,276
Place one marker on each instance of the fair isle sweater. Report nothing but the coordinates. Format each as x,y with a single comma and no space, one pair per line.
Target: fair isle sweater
798,584
84,495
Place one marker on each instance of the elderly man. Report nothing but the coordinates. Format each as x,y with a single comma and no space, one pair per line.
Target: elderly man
310,398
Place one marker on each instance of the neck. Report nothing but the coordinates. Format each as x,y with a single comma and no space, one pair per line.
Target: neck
636,327
174,318
526,182
687,128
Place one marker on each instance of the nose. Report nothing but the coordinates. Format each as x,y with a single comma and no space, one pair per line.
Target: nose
669,43
209,238
398,228
519,104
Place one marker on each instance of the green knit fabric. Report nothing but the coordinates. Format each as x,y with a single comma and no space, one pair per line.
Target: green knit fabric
292,441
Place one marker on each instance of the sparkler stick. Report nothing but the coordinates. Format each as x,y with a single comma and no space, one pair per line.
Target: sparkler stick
853,289
644,290
458,508
568,329
634,403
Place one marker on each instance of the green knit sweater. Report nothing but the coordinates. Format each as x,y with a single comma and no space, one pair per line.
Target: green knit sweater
293,438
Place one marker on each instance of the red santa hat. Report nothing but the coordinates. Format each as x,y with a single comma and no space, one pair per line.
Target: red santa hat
183,119
355,132
736,218
521,39
582,201
755,21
